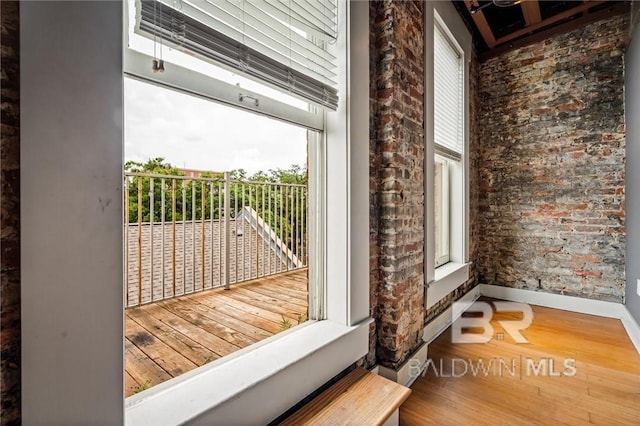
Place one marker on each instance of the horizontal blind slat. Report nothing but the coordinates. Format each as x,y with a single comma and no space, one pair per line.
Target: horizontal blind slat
237,34
261,26
447,93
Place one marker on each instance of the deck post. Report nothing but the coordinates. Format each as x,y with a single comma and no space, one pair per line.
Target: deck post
227,203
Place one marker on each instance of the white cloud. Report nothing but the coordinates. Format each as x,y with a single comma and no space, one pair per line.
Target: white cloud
194,133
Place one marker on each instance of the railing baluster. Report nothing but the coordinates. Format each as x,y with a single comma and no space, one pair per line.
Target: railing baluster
287,216
184,234
227,196
162,219
251,210
202,241
151,201
300,219
297,230
126,237
139,240
281,221
173,236
211,186
305,207
193,236
220,266
270,230
235,223
244,237
264,223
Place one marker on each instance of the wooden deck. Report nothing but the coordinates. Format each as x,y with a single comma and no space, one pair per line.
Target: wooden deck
605,388
168,338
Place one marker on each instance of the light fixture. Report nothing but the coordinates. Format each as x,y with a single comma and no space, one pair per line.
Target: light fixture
500,3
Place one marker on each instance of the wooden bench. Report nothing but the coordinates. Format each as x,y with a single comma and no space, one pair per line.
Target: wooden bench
360,398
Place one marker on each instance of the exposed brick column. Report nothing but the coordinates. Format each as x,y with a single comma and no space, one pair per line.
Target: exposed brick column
397,191
551,161
10,218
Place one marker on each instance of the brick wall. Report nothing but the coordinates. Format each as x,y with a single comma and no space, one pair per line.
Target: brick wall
10,208
396,168
551,158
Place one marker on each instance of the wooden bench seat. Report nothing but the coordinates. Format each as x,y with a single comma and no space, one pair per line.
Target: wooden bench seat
360,398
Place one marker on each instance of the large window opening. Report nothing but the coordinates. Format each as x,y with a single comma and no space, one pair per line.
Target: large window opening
80,322
215,230
224,142
448,135
446,163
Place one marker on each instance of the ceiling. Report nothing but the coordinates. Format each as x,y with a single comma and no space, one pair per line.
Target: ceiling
499,29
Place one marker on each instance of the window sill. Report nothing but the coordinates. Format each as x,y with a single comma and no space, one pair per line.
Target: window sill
281,372
448,277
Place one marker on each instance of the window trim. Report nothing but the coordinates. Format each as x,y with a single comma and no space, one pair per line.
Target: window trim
248,378
441,281
64,323
446,210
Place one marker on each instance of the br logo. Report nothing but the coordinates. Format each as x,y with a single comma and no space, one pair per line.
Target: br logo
511,326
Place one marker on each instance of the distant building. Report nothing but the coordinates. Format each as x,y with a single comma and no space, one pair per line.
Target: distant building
194,173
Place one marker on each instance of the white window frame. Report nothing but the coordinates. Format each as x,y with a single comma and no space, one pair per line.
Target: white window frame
80,325
446,210
442,280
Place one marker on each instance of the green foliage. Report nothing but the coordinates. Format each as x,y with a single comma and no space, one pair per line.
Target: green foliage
197,199
141,387
285,324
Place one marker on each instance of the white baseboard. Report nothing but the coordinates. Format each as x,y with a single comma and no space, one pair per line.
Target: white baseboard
445,319
557,301
403,375
599,308
632,327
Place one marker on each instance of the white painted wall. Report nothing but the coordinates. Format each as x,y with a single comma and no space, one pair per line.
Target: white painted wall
71,168
632,175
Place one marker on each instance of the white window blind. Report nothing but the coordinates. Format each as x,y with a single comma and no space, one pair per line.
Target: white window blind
279,42
447,96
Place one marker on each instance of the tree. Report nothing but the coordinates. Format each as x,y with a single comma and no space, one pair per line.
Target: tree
277,195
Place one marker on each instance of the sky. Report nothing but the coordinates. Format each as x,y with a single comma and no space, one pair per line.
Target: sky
194,133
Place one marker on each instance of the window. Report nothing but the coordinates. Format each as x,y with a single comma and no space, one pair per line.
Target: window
79,322
446,72
199,235
286,61
441,210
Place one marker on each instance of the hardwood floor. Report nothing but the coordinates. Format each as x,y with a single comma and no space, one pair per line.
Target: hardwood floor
168,338
605,388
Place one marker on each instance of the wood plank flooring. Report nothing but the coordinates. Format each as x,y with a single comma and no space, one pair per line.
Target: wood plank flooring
605,388
168,338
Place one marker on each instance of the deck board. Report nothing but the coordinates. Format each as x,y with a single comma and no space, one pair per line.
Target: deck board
218,304
170,337
191,349
159,352
141,368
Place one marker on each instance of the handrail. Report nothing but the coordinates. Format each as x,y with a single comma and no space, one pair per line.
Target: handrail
215,179
189,234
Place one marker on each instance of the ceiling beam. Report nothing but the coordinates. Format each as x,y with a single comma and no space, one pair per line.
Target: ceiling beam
531,12
551,20
482,24
614,10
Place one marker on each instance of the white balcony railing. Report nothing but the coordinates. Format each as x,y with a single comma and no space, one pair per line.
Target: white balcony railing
184,234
